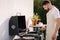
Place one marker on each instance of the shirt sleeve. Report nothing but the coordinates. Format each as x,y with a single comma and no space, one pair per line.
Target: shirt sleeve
56,14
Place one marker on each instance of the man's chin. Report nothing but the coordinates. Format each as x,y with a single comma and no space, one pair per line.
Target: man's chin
47,10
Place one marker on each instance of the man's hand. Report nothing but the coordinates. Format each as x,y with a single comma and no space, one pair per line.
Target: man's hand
54,36
43,28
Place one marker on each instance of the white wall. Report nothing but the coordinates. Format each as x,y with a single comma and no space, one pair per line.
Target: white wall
9,8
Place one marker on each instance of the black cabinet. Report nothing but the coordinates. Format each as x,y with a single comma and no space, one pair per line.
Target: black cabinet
17,24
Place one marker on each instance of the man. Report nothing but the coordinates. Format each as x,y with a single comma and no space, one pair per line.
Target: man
53,21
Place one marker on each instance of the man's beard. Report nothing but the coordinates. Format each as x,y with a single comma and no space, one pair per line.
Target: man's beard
48,9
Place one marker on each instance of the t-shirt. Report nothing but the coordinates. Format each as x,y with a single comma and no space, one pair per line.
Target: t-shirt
51,16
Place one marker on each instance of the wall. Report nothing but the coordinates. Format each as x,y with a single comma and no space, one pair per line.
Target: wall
9,8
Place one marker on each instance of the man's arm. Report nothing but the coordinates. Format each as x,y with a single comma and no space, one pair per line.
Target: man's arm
57,21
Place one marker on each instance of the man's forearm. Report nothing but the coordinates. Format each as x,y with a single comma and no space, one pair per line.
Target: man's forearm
55,32
56,29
